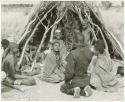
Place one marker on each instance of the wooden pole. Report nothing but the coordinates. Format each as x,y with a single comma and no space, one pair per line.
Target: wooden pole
26,32
52,33
12,86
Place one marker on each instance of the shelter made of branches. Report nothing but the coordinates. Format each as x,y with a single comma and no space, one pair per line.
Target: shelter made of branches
50,15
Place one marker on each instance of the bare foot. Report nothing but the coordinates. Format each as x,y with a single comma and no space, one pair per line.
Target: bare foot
88,91
77,92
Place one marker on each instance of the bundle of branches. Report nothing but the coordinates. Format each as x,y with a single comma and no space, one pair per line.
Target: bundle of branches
66,15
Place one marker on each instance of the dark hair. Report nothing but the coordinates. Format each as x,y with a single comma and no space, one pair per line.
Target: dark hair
5,42
100,46
12,46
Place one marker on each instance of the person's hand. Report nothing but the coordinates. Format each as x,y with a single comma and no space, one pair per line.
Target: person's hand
3,75
90,69
47,51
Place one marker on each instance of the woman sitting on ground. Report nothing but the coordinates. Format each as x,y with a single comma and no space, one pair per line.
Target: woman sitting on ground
10,66
101,68
53,69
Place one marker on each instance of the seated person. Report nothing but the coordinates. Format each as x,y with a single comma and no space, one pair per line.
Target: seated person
53,68
5,43
101,68
77,80
10,65
57,38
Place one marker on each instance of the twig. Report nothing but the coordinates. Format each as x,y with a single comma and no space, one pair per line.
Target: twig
41,22
93,38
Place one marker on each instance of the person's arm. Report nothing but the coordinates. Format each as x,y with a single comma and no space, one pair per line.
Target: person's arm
17,76
12,71
92,64
69,71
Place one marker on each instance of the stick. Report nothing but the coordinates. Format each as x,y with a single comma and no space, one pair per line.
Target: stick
12,86
93,38
26,32
52,33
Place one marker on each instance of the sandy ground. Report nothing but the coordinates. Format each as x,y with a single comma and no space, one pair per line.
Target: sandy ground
47,91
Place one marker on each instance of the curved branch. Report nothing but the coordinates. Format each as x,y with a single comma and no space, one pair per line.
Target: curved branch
21,58
93,38
58,20
26,32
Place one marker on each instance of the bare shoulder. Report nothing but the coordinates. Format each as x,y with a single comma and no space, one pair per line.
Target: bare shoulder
9,58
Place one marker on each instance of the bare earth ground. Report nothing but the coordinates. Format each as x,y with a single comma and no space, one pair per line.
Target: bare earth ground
47,91
12,24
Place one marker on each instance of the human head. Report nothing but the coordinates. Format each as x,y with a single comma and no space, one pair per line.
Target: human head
56,46
58,34
79,37
85,24
79,40
13,47
99,47
5,43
